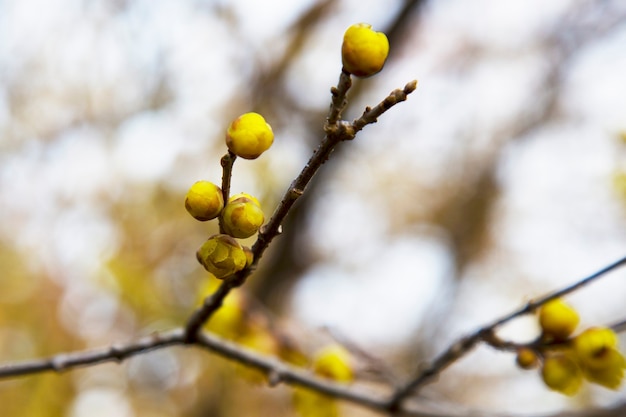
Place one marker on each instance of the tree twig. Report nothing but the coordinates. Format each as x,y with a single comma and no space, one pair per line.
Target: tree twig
277,371
335,133
338,100
371,115
114,353
227,163
464,345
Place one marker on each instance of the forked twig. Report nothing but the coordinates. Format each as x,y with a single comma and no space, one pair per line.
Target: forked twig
335,133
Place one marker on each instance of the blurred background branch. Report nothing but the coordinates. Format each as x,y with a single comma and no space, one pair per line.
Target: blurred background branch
502,178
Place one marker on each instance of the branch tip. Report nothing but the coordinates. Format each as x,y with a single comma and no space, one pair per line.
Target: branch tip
410,87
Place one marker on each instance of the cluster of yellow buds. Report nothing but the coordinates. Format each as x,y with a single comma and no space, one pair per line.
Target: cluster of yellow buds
222,255
567,360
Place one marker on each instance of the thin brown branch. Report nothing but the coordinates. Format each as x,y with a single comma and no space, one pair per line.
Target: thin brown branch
338,100
534,305
277,371
281,372
485,334
227,163
371,115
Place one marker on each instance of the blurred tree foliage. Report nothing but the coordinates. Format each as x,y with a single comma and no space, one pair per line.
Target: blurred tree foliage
146,278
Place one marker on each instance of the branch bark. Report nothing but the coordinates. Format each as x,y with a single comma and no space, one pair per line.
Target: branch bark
282,372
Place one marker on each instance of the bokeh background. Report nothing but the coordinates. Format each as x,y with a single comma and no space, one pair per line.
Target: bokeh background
501,178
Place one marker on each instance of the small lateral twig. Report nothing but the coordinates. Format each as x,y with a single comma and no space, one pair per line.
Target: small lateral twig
335,133
227,163
371,115
115,353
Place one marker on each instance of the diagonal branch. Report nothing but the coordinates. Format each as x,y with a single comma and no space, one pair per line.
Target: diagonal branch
485,334
335,133
278,371
282,372
115,353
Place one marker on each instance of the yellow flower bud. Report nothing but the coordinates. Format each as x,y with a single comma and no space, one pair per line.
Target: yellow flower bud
245,196
595,348
204,200
229,321
260,339
560,373
364,51
601,361
334,362
242,216
249,136
612,372
557,319
313,404
527,358
222,256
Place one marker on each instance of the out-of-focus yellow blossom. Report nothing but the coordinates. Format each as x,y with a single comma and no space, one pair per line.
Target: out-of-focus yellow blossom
527,358
229,320
597,352
364,51
610,377
334,362
290,353
260,339
557,319
561,373
313,404
249,136
593,346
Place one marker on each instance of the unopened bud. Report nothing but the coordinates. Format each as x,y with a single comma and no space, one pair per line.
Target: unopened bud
222,256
